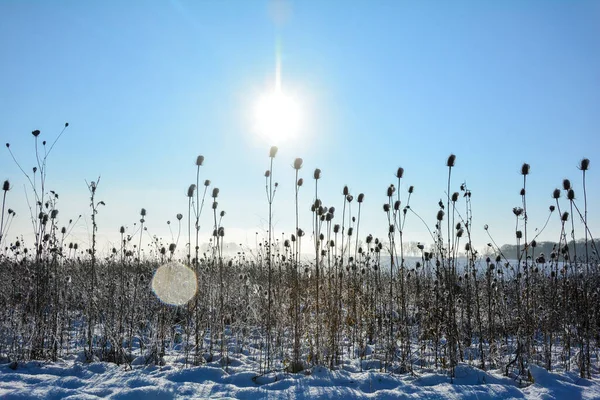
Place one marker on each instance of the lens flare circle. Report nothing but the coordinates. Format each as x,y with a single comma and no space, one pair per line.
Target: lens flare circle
174,283
277,116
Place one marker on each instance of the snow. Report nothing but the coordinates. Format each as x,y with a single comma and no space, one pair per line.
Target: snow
71,379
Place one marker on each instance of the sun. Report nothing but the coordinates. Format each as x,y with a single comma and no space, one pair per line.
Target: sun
277,117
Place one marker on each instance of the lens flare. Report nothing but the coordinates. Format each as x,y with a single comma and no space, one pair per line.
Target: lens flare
174,283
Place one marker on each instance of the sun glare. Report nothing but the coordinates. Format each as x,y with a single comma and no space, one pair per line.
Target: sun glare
277,117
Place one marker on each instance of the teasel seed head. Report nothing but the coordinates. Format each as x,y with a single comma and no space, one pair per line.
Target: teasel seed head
221,231
53,214
267,173
172,247
400,172
349,198
522,192
411,189
222,214
317,174
207,183
199,160
519,234
556,194
122,230
273,152
36,133
300,182
386,207
566,184
440,215
533,244
390,190
215,205
297,163
565,217
454,197
517,211
360,198
143,212
525,169
391,228
552,208
451,161
179,217
397,205
191,190
215,193
336,228
571,194
350,230
6,186
584,164
346,191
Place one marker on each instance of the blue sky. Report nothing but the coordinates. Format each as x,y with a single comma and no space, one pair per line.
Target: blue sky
148,86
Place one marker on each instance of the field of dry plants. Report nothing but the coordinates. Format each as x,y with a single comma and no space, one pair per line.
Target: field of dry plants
355,297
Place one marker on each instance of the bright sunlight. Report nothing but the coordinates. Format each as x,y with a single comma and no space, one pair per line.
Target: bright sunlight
277,117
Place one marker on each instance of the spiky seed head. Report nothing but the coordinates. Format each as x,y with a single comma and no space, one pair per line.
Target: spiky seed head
584,164
451,161
391,228
7,145
350,230
361,197
215,205
215,193
390,190
566,184
460,232
143,212
293,237
321,237
533,244
411,189
273,151
525,169
519,234
53,214
179,217
199,160
565,217
400,172
552,208
556,194
221,231
191,190
345,191
215,233
317,174
6,186
172,247
300,233
297,163
522,192
440,215
267,173
517,211
467,246
207,182
386,207
349,198
122,230
222,214
336,228
454,197
571,194
36,133
397,205
63,230
331,210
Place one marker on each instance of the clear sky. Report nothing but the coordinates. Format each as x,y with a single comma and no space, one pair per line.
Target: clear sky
148,85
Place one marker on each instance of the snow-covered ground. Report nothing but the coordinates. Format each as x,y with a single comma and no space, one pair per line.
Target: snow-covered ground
70,379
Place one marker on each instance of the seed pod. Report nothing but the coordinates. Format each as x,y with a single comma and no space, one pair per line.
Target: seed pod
400,173
317,174
583,165
199,160
556,194
297,163
440,215
273,152
6,186
525,169
191,190
451,160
